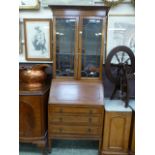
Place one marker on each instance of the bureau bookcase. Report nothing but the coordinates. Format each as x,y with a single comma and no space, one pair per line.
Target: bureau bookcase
75,106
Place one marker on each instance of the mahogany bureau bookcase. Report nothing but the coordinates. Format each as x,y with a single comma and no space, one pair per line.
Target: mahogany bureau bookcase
33,117
76,107
75,110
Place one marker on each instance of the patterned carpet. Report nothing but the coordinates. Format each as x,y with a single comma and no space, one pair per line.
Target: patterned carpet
63,147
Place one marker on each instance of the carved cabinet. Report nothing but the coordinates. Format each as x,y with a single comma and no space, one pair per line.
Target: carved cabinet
33,116
116,132
75,111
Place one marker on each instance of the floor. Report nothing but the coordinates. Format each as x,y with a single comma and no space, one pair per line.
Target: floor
63,147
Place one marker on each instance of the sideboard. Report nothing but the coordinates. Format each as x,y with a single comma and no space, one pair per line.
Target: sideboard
33,117
116,133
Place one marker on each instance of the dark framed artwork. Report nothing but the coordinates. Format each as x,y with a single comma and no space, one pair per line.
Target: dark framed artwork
37,39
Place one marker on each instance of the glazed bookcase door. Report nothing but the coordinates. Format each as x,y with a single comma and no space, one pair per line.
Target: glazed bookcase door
65,46
91,42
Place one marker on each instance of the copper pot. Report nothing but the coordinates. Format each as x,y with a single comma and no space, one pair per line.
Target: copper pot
33,78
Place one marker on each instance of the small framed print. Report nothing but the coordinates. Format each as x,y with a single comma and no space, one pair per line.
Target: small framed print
37,39
20,45
29,4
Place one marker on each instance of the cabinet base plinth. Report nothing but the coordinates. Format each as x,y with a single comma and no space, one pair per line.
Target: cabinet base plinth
114,153
41,142
132,153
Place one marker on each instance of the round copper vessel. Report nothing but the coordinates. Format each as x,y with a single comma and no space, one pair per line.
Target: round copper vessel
33,78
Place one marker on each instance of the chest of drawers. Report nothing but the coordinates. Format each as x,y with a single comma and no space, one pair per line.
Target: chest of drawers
75,111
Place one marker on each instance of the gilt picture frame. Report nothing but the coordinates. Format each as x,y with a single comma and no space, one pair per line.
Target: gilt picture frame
29,4
37,34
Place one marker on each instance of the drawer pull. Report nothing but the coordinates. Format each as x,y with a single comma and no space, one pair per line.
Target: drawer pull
90,120
60,119
61,111
90,111
60,129
89,130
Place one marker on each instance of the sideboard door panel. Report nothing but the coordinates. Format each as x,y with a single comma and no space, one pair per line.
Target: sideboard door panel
30,120
117,125
116,131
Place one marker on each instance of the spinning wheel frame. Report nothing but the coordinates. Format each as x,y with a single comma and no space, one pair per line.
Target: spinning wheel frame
121,64
123,70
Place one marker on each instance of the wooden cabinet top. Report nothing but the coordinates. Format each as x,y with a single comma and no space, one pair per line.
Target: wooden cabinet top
76,92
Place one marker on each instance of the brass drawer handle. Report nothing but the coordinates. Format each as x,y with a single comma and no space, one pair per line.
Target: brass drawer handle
89,130
60,129
90,111
60,119
90,120
61,110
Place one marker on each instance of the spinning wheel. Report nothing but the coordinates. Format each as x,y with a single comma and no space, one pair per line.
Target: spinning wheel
119,68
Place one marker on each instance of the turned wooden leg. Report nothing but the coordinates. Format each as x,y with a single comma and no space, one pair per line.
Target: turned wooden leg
44,152
100,147
49,145
42,147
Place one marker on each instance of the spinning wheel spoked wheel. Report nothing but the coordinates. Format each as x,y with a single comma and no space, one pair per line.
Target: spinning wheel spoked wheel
119,68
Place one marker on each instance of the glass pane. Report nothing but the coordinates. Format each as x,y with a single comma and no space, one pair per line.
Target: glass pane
91,47
65,46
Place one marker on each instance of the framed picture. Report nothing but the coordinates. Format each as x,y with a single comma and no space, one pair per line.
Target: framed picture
20,45
121,31
29,4
37,34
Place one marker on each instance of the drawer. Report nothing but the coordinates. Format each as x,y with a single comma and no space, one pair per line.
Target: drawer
74,119
64,129
78,110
